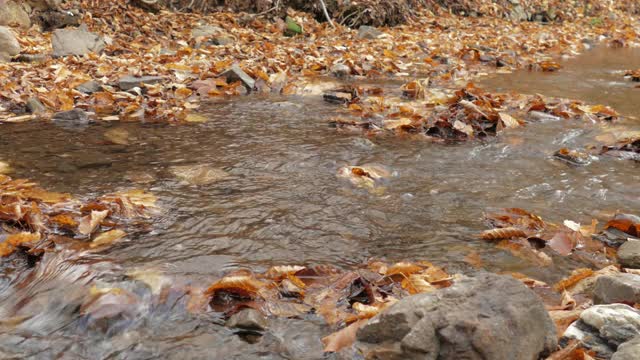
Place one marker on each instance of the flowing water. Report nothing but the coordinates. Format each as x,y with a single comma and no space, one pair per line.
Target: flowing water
282,203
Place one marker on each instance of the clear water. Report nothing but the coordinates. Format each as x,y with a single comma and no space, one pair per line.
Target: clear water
284,204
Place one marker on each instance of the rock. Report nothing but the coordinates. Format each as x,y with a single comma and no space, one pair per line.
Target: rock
248,319
72,119
89,87
30,58
482,317
5,168
518,13
338,97
221,40
603,328
54,19
340,70
9,45
78,41
235,73
129,82
14,14
629,254
210,35
205,31
44,4
368,32
34,106
629,350
617,288
198,174
153,6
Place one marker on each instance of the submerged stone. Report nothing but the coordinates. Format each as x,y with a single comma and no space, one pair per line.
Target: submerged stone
248,319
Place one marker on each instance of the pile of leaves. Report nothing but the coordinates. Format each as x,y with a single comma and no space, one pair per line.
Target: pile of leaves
35,220
342,298
529,237
466,114
444,47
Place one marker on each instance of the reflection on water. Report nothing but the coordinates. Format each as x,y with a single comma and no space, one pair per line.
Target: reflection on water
282,203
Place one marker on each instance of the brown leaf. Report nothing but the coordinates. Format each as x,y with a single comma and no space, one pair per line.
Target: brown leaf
343,338
503,233
89,223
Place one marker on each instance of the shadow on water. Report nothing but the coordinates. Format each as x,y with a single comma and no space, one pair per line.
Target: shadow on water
283,204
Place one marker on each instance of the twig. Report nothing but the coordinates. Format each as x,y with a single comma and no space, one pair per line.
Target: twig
326,13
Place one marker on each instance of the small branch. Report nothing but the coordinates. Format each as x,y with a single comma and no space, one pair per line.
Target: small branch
326,13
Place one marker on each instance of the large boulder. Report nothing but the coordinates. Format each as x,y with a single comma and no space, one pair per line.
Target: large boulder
9,45
617,288
77,41
15,14
629,350
603,328
487,316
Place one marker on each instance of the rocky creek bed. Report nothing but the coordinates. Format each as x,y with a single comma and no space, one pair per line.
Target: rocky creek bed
398,193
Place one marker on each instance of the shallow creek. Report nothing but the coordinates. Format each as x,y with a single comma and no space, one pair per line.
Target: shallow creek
283,204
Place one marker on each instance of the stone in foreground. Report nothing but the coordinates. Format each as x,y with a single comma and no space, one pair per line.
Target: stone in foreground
629,254
486,316
603,328
128,82
9,45
617,288
629,350
77,42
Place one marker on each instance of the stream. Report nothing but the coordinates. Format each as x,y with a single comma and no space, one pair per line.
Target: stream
282,203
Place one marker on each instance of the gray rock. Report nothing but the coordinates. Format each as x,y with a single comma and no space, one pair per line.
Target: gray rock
248,319
9,45
518,13
30,58
235,73
44,4
482,317
368,32
14,13
129,82
34,106
89,87
617,288
629,350
76,119
221,40
77,42
340,70
629,254
603,328
206,31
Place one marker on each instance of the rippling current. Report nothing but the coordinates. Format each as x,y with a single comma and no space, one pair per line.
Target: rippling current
283,204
